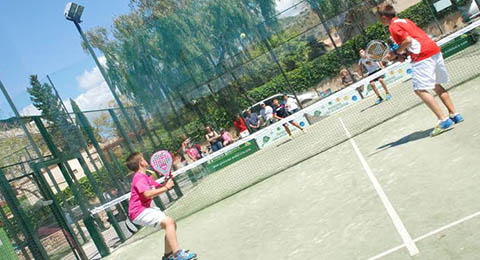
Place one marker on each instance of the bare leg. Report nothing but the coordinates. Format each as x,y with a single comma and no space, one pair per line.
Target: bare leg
296,125
445,97
382,81
287,129
430,101
171,243
372,84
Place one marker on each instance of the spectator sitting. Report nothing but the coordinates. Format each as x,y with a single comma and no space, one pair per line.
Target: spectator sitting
267,114
349,78
226,137
252,120
241,127
291,104
213,138
179,161
189,150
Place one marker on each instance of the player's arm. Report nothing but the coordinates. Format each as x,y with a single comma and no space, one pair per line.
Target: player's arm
149,194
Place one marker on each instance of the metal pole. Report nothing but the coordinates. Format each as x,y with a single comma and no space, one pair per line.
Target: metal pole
429,6
109,84
59,98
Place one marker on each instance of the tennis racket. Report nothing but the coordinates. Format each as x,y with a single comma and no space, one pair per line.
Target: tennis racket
377,50
162,162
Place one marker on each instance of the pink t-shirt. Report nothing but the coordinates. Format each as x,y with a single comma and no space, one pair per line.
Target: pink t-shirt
140,183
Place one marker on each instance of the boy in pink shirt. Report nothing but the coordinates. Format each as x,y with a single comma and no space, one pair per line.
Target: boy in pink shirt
140,211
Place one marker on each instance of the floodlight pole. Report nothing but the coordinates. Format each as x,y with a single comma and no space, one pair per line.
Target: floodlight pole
104,75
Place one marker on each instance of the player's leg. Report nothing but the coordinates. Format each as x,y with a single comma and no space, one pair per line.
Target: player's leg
375,90
287,129
171,243
296,125
424,80
445,97
431,103
441,76
384,85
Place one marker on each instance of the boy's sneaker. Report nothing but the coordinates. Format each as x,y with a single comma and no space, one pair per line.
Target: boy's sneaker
389,96
442,126
457,118
379,100
184,255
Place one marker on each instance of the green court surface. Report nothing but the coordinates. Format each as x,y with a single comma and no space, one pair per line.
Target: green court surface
326,207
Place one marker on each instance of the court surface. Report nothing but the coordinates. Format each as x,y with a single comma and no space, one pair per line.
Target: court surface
327,208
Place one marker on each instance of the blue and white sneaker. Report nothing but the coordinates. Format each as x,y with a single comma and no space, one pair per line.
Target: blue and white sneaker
457,118
442,126
379,100
389,96
184,255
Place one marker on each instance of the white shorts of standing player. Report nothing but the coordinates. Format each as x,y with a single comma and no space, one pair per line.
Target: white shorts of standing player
428,72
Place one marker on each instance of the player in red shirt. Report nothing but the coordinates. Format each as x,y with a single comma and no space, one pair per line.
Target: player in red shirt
429,70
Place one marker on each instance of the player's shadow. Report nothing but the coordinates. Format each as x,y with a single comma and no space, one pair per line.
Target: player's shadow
406,139
367,108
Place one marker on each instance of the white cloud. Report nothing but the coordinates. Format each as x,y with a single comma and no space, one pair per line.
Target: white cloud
91,78
30,110
283,5
97,95
95,98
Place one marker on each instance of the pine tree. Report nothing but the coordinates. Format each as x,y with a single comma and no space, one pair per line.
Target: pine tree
63,132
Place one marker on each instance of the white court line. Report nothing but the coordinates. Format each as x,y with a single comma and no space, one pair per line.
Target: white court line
429,234
407,239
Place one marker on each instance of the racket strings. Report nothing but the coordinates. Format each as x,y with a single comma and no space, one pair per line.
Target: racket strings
376,50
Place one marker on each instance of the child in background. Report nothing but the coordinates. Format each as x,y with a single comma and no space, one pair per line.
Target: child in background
226,137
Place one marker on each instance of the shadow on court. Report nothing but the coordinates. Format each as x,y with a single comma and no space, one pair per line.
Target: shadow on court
406,139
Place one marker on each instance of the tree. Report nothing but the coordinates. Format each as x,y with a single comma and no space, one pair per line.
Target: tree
63,132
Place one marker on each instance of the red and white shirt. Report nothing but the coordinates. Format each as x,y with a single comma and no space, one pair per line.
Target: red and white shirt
423,47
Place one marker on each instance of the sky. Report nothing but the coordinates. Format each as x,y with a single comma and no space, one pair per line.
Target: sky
35,38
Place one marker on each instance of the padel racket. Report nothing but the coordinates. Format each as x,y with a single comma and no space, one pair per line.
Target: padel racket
162,162
377,50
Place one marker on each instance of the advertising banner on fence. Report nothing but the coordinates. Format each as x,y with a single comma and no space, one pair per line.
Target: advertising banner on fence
333,103
232,156
393,75
272,133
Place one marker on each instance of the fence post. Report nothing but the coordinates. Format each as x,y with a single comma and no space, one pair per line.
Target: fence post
56,153
145,126
34,244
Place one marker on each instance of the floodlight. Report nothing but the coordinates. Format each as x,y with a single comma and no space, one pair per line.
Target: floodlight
73,12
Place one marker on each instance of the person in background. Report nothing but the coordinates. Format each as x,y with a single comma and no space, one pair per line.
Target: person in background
213,138
348,78
252,120
267,114
369,67
189,150
241,127
226,137
179,161
291,104
280,112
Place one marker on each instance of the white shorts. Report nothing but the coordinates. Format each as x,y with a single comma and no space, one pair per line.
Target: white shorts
151,217
428,72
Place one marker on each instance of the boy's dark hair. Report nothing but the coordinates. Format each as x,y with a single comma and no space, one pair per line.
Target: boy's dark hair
386,10
133,160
